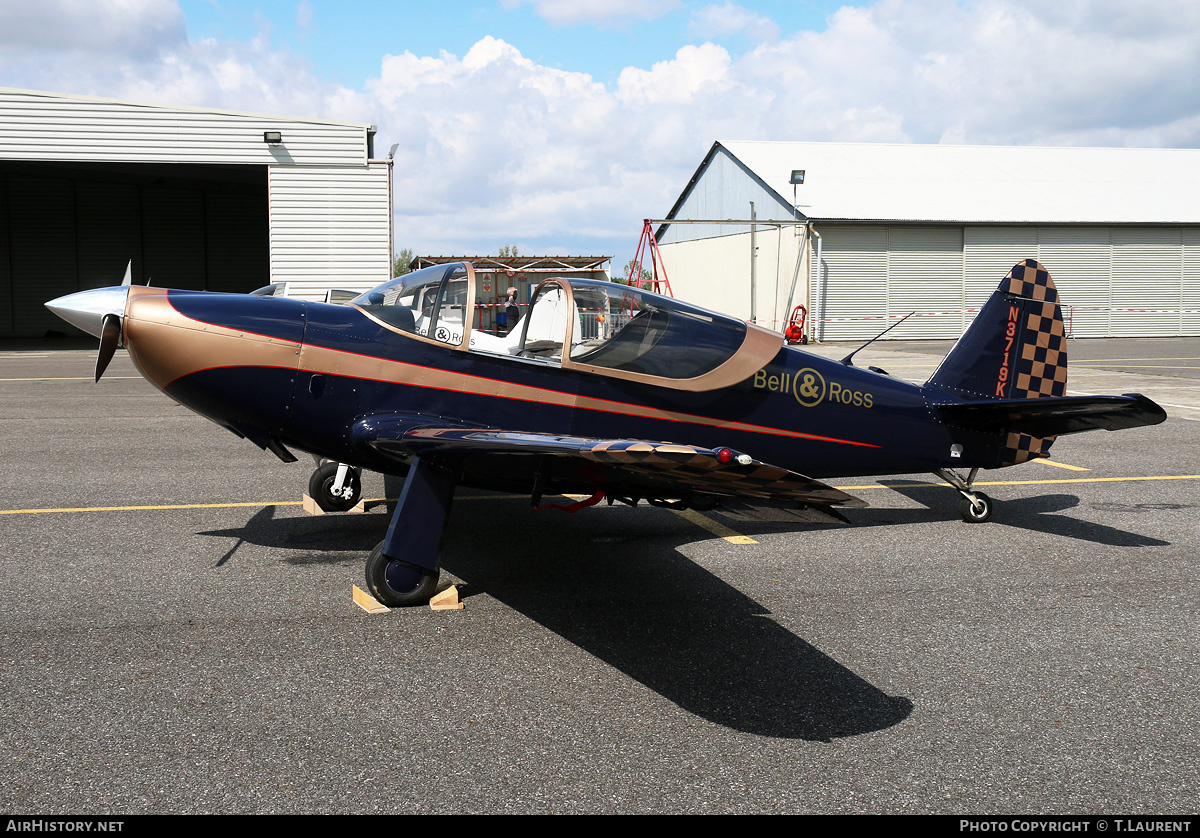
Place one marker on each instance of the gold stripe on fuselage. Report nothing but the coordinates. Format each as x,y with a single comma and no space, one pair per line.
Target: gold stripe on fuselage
326,361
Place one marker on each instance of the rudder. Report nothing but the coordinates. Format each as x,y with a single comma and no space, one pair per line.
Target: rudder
1015,348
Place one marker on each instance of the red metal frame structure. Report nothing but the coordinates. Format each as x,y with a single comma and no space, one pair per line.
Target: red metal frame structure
658,286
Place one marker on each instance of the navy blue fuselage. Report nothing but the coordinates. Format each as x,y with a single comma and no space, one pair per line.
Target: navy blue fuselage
801,412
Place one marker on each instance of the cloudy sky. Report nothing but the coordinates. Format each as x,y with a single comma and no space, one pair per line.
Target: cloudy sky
557,125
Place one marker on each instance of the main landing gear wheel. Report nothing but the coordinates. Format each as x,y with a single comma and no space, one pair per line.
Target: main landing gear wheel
320,488
976,514
397,583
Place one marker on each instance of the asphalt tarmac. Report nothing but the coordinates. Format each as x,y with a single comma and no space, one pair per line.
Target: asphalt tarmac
179,637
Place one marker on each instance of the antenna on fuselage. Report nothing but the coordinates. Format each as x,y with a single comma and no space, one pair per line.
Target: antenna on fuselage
847,361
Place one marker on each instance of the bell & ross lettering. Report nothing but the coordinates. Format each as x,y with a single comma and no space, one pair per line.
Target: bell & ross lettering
809,388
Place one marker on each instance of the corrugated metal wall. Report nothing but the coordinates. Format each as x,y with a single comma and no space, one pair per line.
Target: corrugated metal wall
874,274
1114,281
45,126
329,228
724,190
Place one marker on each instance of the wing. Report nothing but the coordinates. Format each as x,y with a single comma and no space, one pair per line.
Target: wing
620,467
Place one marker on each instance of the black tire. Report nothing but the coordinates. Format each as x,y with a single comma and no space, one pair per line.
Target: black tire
397,583
975,515
320,488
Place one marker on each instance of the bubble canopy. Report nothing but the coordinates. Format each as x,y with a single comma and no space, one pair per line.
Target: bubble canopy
582,324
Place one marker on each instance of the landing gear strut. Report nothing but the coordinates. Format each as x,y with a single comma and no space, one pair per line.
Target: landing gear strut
415,533
975,507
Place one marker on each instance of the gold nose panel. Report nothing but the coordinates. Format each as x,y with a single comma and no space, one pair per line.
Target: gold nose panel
166,345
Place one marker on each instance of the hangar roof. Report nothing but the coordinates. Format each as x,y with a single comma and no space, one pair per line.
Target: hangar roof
42,126
971,184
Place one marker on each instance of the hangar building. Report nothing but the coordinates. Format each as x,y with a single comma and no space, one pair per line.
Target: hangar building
196,198
933,229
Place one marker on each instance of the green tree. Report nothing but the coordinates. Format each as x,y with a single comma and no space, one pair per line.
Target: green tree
508,251
646,276
403,261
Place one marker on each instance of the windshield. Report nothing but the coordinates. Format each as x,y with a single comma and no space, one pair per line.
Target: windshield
430,302
622,328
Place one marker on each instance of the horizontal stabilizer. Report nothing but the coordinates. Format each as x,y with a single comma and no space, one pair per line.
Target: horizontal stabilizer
1054,416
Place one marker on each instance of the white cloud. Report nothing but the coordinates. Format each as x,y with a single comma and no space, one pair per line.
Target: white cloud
731,19
304,14
129,27
602,12
496,148
693,70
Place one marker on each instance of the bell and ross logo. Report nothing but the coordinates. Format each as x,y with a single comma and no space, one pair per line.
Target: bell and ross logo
809,388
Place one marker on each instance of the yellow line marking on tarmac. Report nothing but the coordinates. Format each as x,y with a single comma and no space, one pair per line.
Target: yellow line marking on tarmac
146,508
1116,360
1022,482
691,515
1046,462
1131,367
716,528
259,504
77,378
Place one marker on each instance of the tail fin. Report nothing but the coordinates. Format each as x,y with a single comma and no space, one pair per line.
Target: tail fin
1016,348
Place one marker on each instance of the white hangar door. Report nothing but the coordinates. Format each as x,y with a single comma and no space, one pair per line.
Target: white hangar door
1112,281
1148,282
872,275
1078,259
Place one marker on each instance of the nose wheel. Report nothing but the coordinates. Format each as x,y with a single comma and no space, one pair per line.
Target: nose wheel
336,487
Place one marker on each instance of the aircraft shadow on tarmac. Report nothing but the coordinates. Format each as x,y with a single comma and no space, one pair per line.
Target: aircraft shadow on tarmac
632,599
1038,514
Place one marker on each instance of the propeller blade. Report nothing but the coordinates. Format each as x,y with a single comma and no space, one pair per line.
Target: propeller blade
110,338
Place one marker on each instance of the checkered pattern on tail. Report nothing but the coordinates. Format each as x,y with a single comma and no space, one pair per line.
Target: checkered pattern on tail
1041,364
1019,448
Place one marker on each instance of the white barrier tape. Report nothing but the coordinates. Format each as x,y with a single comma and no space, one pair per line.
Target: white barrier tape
896,316
1071,309
1140,310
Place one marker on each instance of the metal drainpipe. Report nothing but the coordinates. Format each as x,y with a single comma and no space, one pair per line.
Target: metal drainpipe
753,260
816,310
787,312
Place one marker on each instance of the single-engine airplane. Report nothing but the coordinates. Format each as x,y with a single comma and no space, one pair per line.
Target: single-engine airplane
602,389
